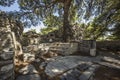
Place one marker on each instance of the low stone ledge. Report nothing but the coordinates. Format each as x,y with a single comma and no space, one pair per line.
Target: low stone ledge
6,55
2,63
6,68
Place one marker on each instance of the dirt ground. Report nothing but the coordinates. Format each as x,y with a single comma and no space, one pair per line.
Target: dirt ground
105,73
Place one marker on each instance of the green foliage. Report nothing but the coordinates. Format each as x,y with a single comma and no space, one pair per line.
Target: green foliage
110,15
53,21
51,12
32,30
116,32
47,30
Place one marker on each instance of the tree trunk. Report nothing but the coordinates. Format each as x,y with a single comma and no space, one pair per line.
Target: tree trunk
17,44
66,24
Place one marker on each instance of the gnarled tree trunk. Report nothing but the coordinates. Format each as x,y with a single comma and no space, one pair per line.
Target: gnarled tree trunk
66,25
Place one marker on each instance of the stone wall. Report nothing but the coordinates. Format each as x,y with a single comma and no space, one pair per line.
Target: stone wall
49,50
87,47
61,48
6,55
108,45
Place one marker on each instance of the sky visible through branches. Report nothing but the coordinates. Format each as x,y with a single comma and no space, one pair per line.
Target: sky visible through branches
15,7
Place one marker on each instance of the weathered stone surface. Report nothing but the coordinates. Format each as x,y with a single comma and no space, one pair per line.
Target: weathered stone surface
83,67
88,73
6,68
29,69
111,60
110,65
28,57
2,63
62,64
70,75
60,48
6,55
42,65
5,76
29,77
88,47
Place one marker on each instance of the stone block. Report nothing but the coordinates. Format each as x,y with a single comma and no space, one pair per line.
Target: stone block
6,68
29,77
7,55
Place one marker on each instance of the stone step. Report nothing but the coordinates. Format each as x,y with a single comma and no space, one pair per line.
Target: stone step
61,50
58,51
5,62
111,60
6,55
56,47
55,44
110,65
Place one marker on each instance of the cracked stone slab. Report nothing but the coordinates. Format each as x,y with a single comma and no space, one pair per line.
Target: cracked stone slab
62,64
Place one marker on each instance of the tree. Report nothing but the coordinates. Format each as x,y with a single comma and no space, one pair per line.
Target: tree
16,29
64,8
70,12
104,23
46,7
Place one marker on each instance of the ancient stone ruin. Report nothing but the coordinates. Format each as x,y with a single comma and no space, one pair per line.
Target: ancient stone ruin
6,54
54,60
